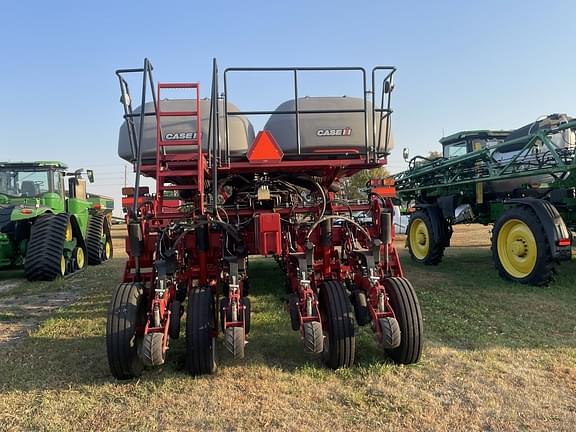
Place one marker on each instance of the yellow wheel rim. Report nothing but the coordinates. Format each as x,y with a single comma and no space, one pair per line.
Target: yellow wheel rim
517,248
80,258
107,250
68,236
62,265
419,239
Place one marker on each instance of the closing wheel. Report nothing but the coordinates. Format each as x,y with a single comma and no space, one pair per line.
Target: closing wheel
150,350
338,325
201,332
404,303
520,248
391,335
234,341
126,318
424,243
313,337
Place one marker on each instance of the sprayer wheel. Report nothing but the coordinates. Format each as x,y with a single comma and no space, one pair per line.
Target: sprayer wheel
424,242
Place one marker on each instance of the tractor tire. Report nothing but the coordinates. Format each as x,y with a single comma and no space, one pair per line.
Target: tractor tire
520,249
200,332
391,334
313,337
44,255
175,317
98,239
404,302
294,314
127,313
336,311
234,341
424,243
150,351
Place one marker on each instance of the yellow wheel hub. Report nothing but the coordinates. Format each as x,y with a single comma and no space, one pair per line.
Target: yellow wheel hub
68,236
62,265
419,239
80,258
107,250
517,248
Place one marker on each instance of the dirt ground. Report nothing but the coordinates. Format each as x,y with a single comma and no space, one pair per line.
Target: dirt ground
24,305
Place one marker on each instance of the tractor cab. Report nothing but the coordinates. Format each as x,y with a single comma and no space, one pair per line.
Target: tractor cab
465,142
26,182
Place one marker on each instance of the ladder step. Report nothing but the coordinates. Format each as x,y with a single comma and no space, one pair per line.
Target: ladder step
178,85
178,187
177,113
182,157
177,143
177,173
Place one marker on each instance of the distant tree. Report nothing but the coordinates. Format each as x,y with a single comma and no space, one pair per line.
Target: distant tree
353,187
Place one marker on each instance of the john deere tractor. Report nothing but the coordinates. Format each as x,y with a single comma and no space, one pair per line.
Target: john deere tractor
49,231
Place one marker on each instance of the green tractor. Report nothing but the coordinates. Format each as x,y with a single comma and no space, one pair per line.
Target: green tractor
46,230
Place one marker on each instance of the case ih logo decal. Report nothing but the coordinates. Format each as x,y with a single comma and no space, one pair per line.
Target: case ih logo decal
334,132
180,136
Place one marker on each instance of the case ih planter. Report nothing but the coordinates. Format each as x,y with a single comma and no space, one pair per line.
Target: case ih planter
224,193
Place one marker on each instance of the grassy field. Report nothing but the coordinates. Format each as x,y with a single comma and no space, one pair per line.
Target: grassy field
497,357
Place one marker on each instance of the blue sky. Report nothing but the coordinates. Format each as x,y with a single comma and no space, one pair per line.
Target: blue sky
461,65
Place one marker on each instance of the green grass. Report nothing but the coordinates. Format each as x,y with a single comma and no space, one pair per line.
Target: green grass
498,356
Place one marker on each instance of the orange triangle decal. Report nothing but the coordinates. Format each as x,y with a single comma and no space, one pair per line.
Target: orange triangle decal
265,149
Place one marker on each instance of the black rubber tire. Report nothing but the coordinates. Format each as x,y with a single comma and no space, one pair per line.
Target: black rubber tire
223,306
97,228
338,317
45,247
175,318
313,337
437,230
150,350
200,326
247,314
360,304
404,303
545,267
293,309
391,334
127,312
234,341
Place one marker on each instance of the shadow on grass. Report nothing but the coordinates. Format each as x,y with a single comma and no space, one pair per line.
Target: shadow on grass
465,306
